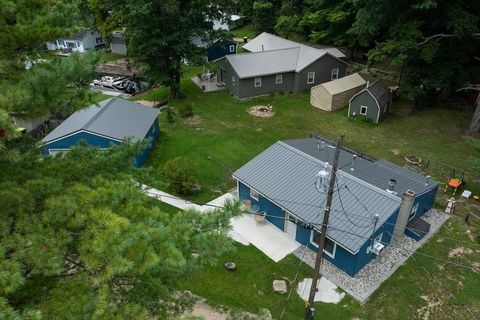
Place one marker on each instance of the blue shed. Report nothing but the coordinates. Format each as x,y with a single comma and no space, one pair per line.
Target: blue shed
217,49
366,214
110,122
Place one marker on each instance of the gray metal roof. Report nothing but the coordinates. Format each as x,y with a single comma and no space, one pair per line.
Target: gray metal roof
374,172
254,64
380,91
266,42
114,118
79,35
286,176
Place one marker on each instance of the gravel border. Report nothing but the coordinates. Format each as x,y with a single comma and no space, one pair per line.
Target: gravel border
379,269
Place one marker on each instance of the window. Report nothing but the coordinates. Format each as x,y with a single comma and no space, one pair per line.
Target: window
330,246
254,194
413,212
233,81
232,48
311,77
335,74
363,110
257,82
278,78
99,40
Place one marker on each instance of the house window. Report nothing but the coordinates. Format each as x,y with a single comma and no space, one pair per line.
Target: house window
232,48
233,81
335,74
254,194
278,78
330,246
413,212
257,82
99,40
311,77
363,110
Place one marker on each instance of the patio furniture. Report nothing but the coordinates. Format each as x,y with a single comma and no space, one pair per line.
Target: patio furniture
255,208
261,216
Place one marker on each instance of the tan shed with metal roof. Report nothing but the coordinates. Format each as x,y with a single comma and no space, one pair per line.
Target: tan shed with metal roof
333,95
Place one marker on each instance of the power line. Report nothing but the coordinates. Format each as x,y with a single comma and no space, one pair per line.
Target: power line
441,286
294,281
320,207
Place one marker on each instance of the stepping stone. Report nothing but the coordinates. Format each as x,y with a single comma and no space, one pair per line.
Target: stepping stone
280,286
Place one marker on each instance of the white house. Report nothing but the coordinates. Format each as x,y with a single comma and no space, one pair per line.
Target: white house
77,42
232,21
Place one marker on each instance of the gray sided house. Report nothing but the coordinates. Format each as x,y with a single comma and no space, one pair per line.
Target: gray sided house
111,122
373,204
287,66
117,43
373,102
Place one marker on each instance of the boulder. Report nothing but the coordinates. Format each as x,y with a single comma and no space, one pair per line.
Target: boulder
280,286
230,266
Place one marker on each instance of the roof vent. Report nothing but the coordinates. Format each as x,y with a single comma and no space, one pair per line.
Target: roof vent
391,185
321,145
427,180
354,160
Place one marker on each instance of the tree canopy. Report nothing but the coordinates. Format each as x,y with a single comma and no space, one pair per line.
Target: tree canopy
79,239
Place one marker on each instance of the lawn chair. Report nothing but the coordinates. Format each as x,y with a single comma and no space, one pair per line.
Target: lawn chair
455,183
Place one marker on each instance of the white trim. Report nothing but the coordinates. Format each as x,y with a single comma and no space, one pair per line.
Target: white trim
366,110
57,150
331,255
255,82
287,215
257,197
308,77
82,131
325,54
337,74
378,238
281,78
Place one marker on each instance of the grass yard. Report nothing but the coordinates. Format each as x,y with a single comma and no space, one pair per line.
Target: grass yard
245,31
409,294
222,136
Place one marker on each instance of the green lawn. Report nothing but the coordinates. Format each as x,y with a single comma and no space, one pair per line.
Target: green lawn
400,297
222,136
245,31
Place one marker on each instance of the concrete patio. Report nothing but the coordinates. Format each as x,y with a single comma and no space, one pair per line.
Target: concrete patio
208,83
273,242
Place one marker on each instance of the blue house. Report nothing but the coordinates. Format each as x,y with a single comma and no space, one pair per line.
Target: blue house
374,203
216,49
110,122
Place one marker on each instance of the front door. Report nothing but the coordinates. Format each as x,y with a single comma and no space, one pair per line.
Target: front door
290,226
221,75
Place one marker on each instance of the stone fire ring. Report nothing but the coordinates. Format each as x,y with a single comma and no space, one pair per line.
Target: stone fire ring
262,111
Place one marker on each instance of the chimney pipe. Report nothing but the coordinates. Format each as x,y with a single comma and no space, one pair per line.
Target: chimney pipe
403,215
368,83
354,160
391,185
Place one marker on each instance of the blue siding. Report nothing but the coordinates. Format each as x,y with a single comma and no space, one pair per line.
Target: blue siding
152,135
425,201
102,142
220,49
344,260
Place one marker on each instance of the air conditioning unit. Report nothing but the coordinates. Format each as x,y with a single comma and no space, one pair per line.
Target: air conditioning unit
377,248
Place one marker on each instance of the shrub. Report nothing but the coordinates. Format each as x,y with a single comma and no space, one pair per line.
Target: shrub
185,110
181,174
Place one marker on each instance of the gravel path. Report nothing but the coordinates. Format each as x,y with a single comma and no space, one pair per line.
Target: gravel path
378,270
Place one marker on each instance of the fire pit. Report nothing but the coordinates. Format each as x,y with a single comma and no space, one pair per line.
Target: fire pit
262,111
413,160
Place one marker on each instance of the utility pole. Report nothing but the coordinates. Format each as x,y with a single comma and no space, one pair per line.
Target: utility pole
310,310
